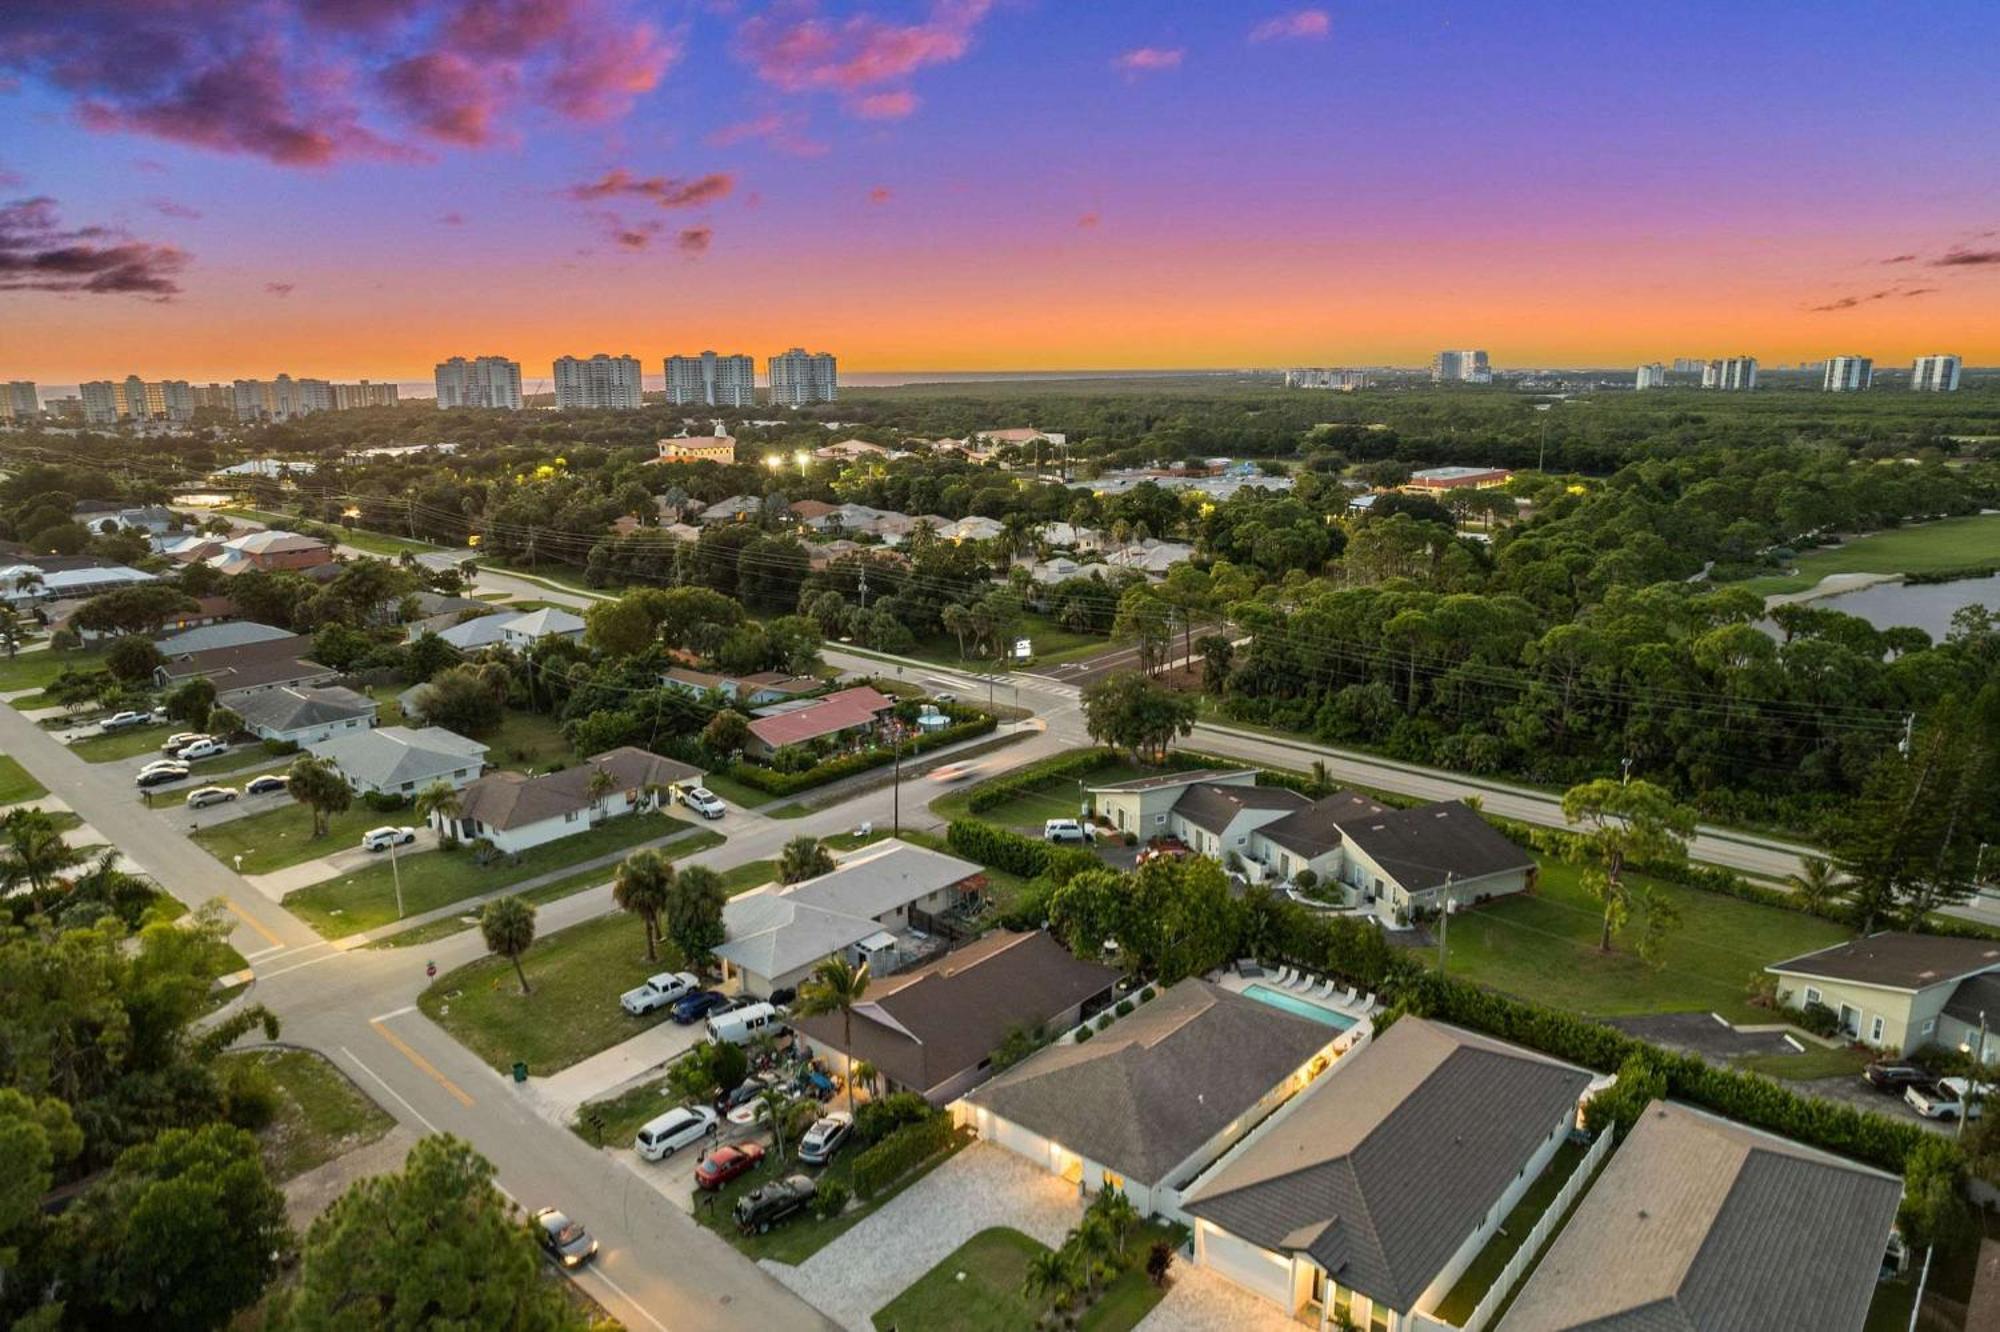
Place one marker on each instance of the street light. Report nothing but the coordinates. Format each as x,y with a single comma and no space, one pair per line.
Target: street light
1972,1083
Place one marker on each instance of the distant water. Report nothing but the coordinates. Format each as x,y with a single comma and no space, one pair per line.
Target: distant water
1925,606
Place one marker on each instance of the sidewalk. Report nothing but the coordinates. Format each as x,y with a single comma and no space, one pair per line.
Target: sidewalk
557,1096
280,882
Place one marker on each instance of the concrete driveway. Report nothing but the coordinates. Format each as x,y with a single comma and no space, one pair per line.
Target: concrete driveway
875,1261
1198,1300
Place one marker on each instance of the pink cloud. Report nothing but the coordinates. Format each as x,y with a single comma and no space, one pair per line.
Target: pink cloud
784,133
446,95
662,190
694,240
884,105
37,253
452,220
881,194
1088,222
280,289
1148,59
169,208
796,50
1304,24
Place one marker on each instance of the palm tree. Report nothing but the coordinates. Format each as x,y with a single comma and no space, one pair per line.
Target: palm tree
803,858
1118,1213
641,886
508,924
600,786
440,805
33,852
866,1074
772,1106
1052,1275
1818,883
1094,1246
837,985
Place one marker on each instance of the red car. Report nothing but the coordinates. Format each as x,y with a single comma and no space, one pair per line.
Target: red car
726,1163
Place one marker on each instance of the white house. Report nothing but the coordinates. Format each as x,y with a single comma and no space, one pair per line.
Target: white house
516,812
514,631
777,934
1370,1197
303,715
399,760
1155,1098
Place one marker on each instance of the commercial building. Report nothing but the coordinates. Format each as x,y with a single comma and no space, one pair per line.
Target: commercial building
1848,374
1341,381
1458,478
1651,376
100,402
281,398
346,397
697,448
800,378
19,401
484,381
1935,374
599,383
1461,367
711,379
1734,374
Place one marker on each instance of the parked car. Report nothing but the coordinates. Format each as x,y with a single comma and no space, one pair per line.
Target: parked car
658,991
207,747
124,721
1891,1075
703,802
181,740
1947,1098
271,783
160,776
162,763
727,1163
740,1026
204,796
661,1137
768,1204
566,1240
381,839
825,1138
742,1093
1065,830
694,1007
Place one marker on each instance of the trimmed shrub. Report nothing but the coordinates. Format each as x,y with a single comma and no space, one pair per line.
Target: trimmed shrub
773,782
1083,1034
830,1200
901,1152
1029,857
883,1115
1025,781
1124,1008
383,802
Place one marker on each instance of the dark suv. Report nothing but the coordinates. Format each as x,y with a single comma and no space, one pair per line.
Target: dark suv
1893,1076
768,1204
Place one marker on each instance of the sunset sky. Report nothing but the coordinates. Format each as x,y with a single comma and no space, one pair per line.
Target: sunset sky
206,189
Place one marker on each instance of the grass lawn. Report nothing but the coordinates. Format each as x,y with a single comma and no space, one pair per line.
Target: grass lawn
1053,644
282,836
1542,946
321,1114
125,744
572,1012
1814,1063
37,670
526,740
624,1114
1056,798
750,874
388,547
366,898
1950,543
1478,1278
16,784
736,793
388,712
566,576
994,1264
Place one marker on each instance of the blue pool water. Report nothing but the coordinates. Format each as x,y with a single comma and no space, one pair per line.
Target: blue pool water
1304,1008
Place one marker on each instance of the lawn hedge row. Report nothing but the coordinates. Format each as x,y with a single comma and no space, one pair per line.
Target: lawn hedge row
772,782
1024,781
1029,857
900,1153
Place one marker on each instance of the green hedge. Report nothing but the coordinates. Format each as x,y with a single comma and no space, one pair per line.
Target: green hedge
1023,781
1029,857
900,1153
773,782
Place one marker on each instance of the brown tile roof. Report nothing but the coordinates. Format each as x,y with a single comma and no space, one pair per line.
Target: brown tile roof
509,800
276,661
1898,961
922,1028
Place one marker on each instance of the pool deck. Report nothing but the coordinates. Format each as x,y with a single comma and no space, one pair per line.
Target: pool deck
1352,1012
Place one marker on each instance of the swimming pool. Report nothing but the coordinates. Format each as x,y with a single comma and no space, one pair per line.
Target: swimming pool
1304,1008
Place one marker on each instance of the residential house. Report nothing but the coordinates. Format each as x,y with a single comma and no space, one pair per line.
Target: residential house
26,585
400,760
863,910
851,450
756,690
239,671
1068,536
152,519
229,633
1375,1190
207,611
1153,558
807,510
1155,1098
1025,436
520,630
846,715
189,548
1703,1224
270,551
1390,862
735,509
1900,992
305,716
973,529
933,1030
516,812
1057,568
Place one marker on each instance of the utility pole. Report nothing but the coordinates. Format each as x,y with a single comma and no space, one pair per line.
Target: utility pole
1444,925
1909,734
396,873
1972,1083
864,587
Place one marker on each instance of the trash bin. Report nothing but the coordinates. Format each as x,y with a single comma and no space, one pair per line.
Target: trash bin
520,1071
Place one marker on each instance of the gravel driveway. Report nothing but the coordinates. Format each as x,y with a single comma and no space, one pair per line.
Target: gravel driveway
982,1187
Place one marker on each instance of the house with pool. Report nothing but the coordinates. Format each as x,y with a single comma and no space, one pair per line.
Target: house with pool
1149,1102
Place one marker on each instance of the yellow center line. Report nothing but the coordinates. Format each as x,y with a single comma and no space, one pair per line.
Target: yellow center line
422,1063
245,917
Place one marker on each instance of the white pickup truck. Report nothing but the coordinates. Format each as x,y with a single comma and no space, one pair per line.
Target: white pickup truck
1946,1098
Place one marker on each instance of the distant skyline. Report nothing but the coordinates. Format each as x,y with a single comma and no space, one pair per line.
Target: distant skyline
361,188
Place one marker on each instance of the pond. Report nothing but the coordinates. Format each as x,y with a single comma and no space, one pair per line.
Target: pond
1925,606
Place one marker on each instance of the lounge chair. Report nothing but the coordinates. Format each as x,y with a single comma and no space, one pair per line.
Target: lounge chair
1368,1003
1325,991
1345,998
1306,981
1283,977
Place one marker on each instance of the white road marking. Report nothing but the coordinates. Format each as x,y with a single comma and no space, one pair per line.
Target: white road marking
644,1312
265,952
394,1012
391,1090
309,962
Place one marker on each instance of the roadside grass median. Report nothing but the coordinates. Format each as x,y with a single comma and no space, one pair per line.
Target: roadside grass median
38,670
365,899
279,837
321,1115
128,743
16,784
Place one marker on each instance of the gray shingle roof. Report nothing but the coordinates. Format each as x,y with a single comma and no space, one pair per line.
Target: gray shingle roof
1898,961
1315,829
388,756
232,633
1701,1224
507,800
1395,1157
1418,847
293,707
1211,806
1153,1087
1976,995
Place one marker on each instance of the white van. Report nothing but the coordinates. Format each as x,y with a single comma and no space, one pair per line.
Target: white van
743,1025
662,1137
